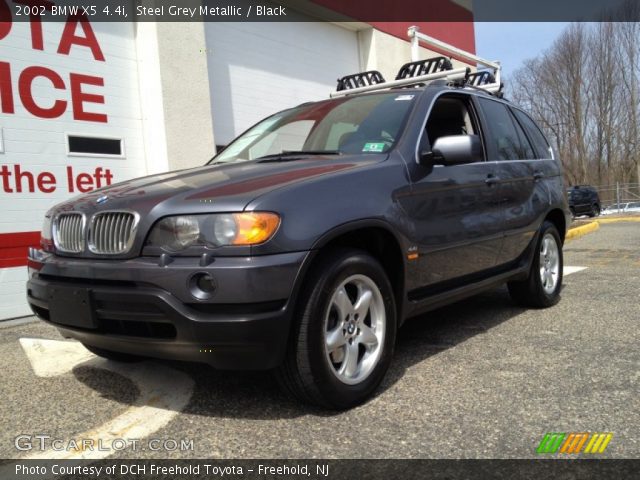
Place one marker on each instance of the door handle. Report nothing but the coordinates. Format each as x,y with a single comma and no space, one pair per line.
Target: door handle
538,175
491,179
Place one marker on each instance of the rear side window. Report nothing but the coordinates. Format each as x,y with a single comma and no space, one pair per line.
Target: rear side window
535,135
508,139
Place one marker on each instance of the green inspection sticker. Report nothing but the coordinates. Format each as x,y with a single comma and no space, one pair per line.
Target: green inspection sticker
373,147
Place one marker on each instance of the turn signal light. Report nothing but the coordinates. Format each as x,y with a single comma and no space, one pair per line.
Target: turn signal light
255,227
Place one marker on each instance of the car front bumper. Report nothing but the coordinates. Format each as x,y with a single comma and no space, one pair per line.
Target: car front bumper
144,307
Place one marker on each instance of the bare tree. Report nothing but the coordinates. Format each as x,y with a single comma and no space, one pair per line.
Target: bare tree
584,93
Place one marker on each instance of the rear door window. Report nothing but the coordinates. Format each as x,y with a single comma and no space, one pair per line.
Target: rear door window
505,136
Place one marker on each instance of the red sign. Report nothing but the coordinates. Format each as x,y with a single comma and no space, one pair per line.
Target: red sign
77,33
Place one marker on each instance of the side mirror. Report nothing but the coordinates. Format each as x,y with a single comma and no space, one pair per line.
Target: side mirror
453,150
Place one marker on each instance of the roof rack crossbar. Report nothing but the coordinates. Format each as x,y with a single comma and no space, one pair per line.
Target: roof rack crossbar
417,37
454,74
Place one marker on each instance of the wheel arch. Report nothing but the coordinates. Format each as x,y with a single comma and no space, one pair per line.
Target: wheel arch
377,238
558,218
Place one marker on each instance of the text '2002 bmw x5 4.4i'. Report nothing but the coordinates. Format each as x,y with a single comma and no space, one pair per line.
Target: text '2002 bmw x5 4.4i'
304,245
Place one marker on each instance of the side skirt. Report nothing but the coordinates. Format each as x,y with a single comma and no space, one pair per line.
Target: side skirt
422,300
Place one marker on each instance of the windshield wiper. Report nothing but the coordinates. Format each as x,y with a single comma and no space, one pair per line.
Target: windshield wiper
295,154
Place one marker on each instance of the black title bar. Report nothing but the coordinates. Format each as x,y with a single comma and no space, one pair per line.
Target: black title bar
114,469
322,10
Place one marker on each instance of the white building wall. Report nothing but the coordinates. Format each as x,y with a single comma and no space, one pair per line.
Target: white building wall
257,69
151,101
184,77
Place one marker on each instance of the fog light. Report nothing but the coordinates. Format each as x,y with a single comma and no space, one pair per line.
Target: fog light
206,283
202,286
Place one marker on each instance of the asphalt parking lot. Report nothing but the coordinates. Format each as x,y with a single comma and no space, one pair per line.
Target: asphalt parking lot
479,379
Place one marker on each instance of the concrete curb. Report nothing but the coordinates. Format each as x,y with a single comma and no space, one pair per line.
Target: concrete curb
618,219
582,230
577,232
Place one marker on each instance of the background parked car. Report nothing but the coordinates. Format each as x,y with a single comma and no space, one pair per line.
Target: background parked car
632,207
584,200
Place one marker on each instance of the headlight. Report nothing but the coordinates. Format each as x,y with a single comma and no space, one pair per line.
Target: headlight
180,232
177,233
225,229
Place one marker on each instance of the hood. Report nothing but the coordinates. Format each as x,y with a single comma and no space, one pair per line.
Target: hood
212,188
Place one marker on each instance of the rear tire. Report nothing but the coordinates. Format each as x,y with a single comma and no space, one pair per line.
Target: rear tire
111,355
542,287
342,340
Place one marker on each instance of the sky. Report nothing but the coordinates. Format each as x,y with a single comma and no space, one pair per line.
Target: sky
512,43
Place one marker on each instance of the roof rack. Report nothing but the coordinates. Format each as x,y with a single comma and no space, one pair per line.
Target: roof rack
417,37
425,71
451,75
424,67
349,82
481,78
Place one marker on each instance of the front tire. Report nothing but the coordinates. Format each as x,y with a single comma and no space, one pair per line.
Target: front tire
542,287
343,340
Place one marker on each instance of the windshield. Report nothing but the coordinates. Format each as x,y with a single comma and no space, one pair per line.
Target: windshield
364,124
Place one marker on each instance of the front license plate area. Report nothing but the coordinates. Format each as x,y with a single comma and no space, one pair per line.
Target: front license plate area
71,306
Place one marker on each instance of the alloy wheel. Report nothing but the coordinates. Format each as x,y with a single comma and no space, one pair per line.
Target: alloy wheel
354,329
549,263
